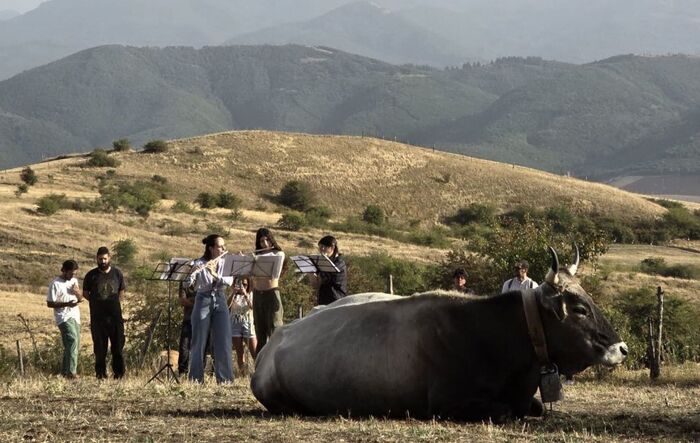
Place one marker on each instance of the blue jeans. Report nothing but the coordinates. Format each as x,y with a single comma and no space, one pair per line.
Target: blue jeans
210,310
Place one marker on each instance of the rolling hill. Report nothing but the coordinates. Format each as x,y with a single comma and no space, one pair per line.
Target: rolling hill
627,115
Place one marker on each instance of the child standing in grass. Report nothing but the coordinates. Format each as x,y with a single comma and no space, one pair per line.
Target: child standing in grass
63,297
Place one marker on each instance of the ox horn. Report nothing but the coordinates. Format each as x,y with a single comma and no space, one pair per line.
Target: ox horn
553,276
574,267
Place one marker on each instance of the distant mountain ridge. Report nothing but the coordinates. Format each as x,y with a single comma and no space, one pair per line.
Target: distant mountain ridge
626,115
436,32
363,28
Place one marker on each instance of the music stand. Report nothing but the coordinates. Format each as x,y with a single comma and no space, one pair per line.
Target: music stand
308,264
269,266
175,270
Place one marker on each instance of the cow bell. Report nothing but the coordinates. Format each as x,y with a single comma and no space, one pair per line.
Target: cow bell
550,385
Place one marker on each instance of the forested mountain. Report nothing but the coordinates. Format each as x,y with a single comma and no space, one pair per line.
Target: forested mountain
622,115
364,28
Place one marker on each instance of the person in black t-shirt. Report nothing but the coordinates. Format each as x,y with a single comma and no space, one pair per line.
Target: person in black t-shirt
330,286
104,287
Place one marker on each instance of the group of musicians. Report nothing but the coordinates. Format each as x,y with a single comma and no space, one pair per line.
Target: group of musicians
220,311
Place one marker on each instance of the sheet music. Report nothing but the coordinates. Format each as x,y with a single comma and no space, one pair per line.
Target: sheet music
314,263
176,269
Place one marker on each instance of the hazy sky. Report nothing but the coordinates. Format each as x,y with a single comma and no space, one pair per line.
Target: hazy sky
19,5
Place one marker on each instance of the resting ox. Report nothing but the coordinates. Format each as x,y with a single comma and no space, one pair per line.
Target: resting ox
433,355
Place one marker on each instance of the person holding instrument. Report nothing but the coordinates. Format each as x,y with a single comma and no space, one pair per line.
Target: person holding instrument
63,297
210,310
331,286
267,303
242,325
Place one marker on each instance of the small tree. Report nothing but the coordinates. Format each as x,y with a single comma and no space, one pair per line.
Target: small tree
28,176
373,214
124,251
155,147
121,145
297,195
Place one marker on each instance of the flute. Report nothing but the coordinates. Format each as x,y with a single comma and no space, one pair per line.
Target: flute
211,265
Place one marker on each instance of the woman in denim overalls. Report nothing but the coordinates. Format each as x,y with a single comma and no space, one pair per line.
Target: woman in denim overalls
210,309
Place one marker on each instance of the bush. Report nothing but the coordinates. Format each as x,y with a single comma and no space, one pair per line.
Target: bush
653,265
183,207
28,176
155,147
121,145
137,196
297,195
206,200
318,215
373,214
99,158
159,179
227,200
292,221
124,251
21,189
474,213
51,204
630,316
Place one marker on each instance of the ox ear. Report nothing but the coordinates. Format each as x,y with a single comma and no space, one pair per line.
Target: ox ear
552,276
556,304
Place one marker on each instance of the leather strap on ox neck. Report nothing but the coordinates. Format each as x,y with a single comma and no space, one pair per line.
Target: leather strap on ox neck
534,326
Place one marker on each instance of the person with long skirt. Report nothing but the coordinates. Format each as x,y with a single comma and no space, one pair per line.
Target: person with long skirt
210,310
267,303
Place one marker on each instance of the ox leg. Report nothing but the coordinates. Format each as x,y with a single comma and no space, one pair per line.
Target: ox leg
529,407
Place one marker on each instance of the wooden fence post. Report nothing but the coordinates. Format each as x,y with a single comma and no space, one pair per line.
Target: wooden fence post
655,336
300,311
20,358
390,284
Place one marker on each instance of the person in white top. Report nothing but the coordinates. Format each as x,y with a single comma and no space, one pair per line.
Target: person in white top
63,297
210,312
521,281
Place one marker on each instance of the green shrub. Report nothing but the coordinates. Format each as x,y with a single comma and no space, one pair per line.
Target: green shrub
374,214
159,179
182,207
137,196
51,204
297,195
121,145
318,215
22,188
227,200
155,147
630,315
653,265
99,158
206,200
28,176
124,251
292,221
474,213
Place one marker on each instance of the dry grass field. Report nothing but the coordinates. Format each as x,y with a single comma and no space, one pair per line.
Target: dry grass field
625,407
347,173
